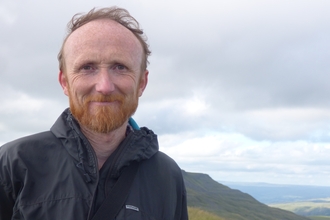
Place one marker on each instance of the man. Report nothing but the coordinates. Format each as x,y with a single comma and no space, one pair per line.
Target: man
69,172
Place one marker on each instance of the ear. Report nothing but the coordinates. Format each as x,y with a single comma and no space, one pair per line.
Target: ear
64,83
143,82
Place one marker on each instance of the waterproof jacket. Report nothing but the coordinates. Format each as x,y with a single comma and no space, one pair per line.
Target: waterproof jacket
54,175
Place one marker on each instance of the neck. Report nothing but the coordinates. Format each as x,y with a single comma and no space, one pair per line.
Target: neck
104,144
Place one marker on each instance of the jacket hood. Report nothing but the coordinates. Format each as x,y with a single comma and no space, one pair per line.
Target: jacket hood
138,145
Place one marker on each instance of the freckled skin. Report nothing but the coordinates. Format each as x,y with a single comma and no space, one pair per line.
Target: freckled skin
102,45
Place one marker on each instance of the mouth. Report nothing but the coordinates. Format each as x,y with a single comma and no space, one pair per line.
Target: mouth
104,103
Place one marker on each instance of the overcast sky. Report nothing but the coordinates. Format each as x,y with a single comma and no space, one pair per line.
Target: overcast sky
237,89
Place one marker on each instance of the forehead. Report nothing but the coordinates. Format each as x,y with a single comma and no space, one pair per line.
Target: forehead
100,35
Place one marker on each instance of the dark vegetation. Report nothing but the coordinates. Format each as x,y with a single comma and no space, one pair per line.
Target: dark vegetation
206,194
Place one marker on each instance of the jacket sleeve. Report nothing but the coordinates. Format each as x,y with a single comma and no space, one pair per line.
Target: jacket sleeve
6,199
184,208
184,211
6,203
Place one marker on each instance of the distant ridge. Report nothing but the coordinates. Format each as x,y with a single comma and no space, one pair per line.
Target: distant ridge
280,193
205,193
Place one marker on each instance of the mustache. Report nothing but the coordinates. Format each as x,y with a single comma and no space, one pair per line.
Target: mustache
104,98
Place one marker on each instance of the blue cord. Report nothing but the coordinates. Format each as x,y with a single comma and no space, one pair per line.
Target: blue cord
132,123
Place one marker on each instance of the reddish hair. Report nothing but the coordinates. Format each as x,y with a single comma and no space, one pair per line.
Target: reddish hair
120,15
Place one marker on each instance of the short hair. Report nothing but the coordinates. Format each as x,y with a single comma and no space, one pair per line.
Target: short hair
120,15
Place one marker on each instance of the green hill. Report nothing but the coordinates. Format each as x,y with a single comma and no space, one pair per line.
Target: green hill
198,214
316,207
319,218
209,195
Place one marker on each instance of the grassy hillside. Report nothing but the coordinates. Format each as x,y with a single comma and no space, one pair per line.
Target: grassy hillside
207,194
198,214
319,207
319,218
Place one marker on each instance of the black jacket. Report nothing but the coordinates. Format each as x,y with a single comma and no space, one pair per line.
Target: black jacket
54,175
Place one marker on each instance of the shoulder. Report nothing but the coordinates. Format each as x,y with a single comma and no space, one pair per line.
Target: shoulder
27,147
164,159
31,141
31,153
160,163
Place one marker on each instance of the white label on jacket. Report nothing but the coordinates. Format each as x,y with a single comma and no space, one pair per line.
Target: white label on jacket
132,207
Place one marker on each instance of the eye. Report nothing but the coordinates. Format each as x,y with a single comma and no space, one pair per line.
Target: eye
88,68
121,67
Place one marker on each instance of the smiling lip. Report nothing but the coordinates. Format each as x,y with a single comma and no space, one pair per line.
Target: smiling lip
103,103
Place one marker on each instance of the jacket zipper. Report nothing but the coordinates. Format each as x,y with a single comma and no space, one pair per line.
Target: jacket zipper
80,165
122,148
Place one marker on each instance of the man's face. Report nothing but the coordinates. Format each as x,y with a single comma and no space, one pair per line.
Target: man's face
102,74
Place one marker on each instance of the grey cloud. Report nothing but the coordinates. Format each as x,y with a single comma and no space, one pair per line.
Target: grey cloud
243,60
274,61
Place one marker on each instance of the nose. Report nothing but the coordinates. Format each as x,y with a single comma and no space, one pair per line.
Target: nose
104,83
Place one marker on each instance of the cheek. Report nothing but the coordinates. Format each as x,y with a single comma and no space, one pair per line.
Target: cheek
79,87
126,85
75,96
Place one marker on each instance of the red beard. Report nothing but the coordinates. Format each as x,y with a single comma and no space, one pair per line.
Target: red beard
104,119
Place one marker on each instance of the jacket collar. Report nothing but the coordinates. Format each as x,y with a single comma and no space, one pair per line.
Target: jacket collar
137,146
